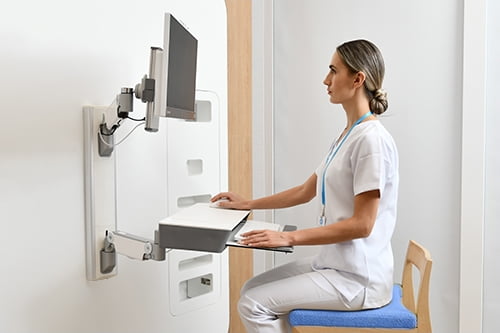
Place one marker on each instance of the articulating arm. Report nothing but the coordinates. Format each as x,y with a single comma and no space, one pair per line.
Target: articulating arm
132,246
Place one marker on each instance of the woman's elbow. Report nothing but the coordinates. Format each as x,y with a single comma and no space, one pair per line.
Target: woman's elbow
305,196
364,230
310,197
364,233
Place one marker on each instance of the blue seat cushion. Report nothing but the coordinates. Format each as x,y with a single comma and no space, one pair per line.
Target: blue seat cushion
393,315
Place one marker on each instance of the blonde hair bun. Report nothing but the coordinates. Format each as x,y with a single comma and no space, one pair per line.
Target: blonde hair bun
379,103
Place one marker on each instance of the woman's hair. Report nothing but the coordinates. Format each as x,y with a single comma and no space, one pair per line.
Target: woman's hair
364,56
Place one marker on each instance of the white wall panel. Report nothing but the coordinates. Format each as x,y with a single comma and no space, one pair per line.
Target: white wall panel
491,321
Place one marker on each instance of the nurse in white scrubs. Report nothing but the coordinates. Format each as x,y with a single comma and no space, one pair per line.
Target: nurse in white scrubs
357,183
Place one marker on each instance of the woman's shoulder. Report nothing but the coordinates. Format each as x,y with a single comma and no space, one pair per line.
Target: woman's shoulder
373,129
374,133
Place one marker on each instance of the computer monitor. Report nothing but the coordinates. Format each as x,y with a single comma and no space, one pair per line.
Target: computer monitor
180,49
174,71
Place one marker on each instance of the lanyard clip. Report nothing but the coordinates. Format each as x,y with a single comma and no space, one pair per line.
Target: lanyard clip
322,218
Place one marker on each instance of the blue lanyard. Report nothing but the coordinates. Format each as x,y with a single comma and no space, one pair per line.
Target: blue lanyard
329,158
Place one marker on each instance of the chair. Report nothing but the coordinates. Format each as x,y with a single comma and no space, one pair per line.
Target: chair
402,314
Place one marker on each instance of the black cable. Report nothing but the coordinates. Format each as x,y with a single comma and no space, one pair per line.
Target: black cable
136,119
113,128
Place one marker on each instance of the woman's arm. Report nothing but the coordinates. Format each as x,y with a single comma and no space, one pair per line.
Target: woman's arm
295,196
359,225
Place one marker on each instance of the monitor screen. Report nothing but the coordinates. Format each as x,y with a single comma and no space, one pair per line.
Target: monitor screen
179,71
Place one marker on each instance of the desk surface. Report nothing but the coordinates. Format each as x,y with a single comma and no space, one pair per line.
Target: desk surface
201,215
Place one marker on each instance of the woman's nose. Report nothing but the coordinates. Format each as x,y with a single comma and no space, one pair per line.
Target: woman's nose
327,80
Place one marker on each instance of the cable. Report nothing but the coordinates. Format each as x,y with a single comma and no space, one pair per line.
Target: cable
123,139
102,140
113,128
134,119
126,136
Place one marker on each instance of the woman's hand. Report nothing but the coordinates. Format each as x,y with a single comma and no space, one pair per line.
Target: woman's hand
230,200
266,238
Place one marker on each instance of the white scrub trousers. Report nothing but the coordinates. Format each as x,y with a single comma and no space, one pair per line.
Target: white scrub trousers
267,298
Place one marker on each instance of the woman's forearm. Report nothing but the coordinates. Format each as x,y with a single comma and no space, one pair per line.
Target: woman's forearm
294,196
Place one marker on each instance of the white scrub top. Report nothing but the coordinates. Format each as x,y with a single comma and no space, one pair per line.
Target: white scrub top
368,160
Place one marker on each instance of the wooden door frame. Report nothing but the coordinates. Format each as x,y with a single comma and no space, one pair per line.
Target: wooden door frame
239,48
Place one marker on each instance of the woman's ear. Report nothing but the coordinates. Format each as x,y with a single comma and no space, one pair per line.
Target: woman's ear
359,79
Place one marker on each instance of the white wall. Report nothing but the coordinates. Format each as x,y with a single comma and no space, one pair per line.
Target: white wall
491,321
55,57
263,118
422,46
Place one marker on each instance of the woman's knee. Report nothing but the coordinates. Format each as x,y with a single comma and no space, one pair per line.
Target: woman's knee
245,306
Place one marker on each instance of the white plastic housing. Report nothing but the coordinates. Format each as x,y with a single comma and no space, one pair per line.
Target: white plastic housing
100,203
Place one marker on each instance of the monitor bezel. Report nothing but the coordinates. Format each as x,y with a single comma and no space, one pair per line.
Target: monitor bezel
166,109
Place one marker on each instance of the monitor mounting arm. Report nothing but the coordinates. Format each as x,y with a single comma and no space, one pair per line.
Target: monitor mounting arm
132,246
145,91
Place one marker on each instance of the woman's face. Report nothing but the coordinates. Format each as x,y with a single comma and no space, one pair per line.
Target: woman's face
339,81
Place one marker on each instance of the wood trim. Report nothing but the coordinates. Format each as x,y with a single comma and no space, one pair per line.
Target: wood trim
239,39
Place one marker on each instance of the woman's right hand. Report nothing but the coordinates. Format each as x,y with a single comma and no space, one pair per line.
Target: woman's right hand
230,200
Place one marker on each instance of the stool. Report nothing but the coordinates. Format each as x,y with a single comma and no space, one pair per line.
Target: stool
402,314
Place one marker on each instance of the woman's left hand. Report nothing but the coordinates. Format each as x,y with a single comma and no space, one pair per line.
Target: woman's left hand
266,238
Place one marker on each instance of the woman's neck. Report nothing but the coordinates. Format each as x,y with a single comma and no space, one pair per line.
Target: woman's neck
356,107
354,113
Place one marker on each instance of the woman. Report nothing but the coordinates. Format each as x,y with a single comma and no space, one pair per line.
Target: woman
357,183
